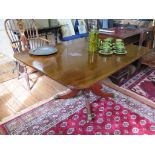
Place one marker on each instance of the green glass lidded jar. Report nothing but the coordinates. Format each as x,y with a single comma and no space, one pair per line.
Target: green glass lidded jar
93,40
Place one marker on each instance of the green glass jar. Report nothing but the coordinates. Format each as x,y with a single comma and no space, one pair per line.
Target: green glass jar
93,40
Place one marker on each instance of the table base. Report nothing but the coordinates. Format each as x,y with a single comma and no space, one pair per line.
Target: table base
96,89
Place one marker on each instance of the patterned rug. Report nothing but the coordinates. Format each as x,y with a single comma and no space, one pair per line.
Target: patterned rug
120,115
143,83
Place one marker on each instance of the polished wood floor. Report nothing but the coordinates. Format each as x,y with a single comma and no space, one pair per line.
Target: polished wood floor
14,96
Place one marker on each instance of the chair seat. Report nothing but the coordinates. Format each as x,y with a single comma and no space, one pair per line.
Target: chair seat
149,59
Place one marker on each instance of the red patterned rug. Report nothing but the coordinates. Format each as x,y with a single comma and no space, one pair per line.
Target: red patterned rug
143,84
120,115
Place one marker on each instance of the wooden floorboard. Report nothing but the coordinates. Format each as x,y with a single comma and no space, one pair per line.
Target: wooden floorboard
14,95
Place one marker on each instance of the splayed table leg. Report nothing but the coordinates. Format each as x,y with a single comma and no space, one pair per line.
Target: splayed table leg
96,89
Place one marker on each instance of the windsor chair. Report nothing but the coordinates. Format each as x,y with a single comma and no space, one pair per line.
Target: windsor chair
23,36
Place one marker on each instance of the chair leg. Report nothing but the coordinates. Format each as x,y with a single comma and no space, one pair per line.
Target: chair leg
15,68
18,73
27,78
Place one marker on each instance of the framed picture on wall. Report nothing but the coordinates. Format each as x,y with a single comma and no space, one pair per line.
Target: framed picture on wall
67,27
81,22
82,26
82,29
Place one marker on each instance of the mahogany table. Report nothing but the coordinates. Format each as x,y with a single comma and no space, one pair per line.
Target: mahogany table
130,35
76,68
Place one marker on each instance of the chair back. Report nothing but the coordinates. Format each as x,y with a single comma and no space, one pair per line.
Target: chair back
23,34
29,34
29,28
13,34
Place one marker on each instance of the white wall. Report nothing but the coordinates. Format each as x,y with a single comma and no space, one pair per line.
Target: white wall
5,46
41,23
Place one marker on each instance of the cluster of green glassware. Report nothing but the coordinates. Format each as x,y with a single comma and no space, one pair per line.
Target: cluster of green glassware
107,46
118,47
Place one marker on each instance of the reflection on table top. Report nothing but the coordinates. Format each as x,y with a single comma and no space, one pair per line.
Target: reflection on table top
74,65
122,32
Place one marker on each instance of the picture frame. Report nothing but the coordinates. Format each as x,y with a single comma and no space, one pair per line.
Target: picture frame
66,27
82,29
81,22
82,26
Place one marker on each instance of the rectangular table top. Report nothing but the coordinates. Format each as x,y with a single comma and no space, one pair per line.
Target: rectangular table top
122,33
74,65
